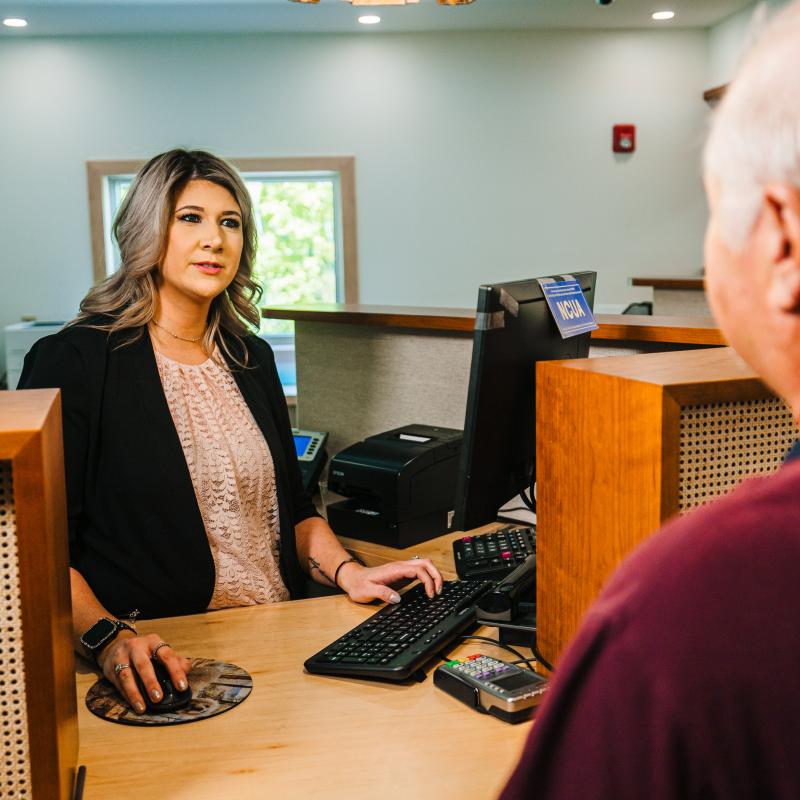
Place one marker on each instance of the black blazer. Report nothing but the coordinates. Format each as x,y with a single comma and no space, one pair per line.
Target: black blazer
135,530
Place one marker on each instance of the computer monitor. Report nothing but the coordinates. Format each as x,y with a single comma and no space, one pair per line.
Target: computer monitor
514,329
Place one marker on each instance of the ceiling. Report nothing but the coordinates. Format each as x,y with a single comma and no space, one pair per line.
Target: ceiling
129,17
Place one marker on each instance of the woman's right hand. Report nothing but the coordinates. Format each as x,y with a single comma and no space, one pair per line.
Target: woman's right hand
135,652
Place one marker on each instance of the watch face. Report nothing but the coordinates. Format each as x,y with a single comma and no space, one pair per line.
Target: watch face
100,632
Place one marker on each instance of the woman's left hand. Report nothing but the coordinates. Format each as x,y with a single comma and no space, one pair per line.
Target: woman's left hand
363,584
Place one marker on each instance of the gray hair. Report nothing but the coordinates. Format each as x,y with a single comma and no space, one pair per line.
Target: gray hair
755,133
128,297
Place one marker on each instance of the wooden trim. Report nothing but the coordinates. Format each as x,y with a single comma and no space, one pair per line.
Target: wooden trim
343,165
713,96
673,330
686,373
41,531
670,456
450,319
730,391
600,493
616,327
347,178
24,414
670,283
95,172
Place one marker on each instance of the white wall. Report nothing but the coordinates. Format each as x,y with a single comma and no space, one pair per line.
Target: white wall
479,157
728,40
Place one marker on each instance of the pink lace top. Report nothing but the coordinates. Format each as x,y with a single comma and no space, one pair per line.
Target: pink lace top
234,480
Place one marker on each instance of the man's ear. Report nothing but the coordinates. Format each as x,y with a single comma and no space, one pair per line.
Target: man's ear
783,203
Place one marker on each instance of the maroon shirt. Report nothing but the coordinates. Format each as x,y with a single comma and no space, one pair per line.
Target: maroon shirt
684,678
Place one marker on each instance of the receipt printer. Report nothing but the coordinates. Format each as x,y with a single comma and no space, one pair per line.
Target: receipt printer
400,485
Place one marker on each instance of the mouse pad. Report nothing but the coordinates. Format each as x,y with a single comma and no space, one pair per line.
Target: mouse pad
216,688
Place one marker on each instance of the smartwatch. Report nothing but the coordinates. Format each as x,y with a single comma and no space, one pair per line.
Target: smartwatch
105,630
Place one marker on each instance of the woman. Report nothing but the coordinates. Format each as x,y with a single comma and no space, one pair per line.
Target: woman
183,488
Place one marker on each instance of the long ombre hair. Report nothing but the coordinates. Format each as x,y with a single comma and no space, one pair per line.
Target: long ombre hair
128,297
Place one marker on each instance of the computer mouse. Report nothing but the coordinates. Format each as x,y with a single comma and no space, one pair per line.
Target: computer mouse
172,699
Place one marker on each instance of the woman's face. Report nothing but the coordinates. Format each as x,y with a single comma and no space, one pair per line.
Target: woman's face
204,244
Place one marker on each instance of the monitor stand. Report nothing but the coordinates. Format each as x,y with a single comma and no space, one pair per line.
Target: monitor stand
520,630
516,510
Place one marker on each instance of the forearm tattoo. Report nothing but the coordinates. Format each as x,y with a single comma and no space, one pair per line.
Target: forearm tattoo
313,564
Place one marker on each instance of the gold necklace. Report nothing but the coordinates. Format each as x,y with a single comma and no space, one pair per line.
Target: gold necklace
175,335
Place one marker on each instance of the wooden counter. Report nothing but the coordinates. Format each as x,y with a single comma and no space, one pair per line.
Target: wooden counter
422,318
690,282
38,728
438,550
364,369
613,327
622,444
300,735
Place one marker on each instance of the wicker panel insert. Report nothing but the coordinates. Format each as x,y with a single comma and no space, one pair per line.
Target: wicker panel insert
15,768
723,443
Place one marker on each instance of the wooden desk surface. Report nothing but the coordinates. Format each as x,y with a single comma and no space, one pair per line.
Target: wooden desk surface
438,550
300,735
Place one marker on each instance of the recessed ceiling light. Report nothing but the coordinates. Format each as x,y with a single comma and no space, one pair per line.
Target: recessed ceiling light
369,19
661,15
13,22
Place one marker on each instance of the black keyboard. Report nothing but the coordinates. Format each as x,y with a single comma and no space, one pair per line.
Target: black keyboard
396,641
491,556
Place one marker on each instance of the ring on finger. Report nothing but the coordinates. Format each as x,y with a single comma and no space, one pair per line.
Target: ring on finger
157,648
416,558
119,667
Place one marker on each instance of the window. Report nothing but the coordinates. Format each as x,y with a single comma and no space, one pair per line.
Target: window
304,210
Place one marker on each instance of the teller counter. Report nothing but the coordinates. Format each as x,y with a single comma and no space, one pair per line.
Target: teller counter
364,369
300,735
623,444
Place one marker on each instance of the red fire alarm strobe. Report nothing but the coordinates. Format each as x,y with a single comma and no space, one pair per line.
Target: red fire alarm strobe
624,138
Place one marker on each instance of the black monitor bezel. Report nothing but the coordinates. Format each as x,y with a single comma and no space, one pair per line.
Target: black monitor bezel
496,303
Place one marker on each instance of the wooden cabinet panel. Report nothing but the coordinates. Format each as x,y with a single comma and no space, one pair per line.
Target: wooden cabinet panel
623,444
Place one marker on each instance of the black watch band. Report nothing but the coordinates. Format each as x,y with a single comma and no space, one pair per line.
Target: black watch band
103,632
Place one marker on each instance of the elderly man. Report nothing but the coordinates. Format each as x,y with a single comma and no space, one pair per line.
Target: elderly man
684,678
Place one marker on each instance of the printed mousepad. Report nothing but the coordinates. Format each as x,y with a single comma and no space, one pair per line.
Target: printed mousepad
217,687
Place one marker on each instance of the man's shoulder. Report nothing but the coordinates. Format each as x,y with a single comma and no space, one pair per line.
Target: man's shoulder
735,547
761,510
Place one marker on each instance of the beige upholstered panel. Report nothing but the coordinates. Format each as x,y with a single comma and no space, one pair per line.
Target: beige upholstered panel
723,443
355,381
680,303
605,349
15,779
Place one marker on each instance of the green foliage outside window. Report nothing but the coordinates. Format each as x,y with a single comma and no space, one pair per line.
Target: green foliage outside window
296,259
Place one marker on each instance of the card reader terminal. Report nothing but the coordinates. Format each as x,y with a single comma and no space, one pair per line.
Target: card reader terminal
311,455
492,686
